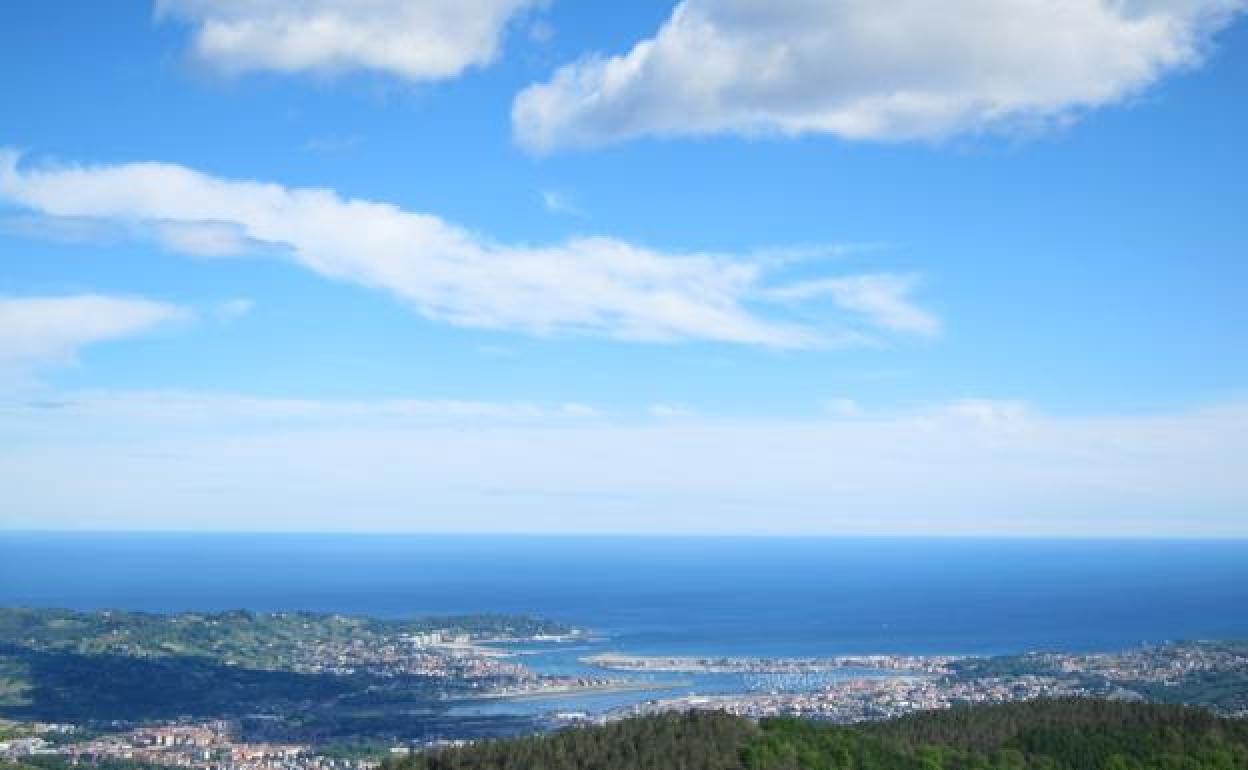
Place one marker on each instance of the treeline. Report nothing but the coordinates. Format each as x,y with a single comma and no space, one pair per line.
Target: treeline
688,741
989,727
1067,734
1077,734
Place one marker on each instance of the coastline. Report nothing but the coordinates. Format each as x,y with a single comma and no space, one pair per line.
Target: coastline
867,665
563,691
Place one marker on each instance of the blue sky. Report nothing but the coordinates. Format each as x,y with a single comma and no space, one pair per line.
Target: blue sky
725,266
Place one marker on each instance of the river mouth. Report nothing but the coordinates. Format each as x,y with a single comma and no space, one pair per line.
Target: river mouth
575,658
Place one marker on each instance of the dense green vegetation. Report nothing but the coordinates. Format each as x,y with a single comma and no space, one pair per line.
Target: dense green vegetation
1224,690
72,687
691,741
60,665
374,750
1079,734
1032,663
982,728
265,641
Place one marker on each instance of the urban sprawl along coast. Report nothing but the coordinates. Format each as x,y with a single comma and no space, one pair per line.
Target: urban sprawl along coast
1212,674
209,745
291,691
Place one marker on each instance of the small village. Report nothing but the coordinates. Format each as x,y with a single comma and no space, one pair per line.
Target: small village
208,745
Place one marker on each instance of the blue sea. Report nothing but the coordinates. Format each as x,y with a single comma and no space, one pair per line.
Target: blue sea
676,595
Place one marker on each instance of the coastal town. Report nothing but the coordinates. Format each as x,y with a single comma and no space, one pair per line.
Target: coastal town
859,700
471,667
916,664
208,745
1167,672
217,744
335,657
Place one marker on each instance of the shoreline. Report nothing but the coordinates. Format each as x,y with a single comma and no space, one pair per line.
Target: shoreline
881,665
560,691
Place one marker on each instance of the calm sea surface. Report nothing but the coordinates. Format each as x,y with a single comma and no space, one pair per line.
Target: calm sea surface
739,596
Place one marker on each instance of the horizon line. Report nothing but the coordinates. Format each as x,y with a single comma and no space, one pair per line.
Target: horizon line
636,535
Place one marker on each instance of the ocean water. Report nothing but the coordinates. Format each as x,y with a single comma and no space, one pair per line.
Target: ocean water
668,595
732,596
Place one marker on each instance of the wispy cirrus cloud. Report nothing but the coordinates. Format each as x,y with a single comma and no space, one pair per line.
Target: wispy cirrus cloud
861,69
41,331
560,203
882,297
593,285
419,41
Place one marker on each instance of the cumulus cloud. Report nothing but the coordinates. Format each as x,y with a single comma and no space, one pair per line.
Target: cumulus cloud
862,69
590,285
35,331
419,40
238,462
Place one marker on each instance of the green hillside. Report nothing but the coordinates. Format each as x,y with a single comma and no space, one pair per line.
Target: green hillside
1036,735
324,674
275,641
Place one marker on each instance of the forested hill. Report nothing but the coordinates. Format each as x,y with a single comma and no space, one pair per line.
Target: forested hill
1037,735
315,671
275,641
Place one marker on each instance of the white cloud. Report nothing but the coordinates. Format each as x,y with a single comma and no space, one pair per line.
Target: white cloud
235,462
576,409
988,411
419,40
588,285
226,413
57,229
884,298
36,331
558,203
668,411
202,239
864,69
